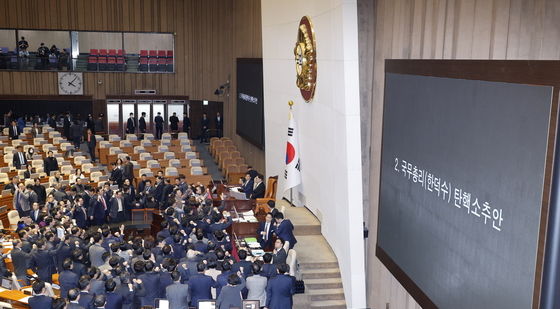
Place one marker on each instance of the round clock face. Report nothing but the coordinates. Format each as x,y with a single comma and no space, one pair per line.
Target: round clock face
70,83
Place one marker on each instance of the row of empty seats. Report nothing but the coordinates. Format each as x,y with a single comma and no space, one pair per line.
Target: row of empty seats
227,156
156,53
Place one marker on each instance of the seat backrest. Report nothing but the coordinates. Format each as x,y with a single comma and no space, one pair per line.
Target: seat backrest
145,156
152,163
148,172
146,143
195,162
196,170
105,144
115,150
186,148
87,167
166,136
271,187
190,155
131,137
175,162
125,143
169,155
239,161
182,135
139,149
163,148
114,138
148,136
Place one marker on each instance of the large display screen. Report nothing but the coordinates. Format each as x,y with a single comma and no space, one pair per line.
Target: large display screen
462,175
250,105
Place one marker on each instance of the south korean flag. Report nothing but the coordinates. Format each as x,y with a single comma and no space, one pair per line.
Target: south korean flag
292,173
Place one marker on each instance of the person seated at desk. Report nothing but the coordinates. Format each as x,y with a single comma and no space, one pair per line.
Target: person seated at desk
39,300
258,187
247,185
56,179
28,171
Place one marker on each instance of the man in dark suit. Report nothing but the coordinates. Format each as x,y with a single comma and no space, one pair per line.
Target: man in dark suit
151,282
269,270
131,124
50,163
40,300
280,289
19,159
91,142
159,125
128,170
242,264
219,124
258,187
79,214
21,261
36,214
186,124
204,126
86,298
42,261
73,303
247,186
35,130
116,174
77,132
66,125
14,130
52,121
174,122
97,208
142,123
279,255
265,231
114,300
201,285
67,278
117,207
285,229
40,191
178,294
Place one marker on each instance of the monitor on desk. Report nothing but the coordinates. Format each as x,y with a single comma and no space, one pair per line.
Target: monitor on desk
162,303
251,304
7,283
6,192
206,304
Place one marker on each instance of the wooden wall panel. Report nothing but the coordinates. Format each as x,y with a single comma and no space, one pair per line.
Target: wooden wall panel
209,35
441,29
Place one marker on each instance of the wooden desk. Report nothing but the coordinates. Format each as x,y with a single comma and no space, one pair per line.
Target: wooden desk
18,299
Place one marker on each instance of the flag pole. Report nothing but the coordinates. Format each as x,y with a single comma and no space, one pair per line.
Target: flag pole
291,103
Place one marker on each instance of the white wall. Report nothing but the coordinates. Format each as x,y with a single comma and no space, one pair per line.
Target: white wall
329,126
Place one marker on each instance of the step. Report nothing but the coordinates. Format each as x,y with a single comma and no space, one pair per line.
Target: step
328,304
330,283
318,265
325,294
320,273
303,230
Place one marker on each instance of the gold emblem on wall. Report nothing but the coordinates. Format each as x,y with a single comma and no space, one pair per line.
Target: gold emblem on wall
306,59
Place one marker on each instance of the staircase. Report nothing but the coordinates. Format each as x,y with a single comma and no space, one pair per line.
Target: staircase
318,264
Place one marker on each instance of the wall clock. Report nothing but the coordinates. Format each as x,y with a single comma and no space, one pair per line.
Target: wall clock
305,53
70,83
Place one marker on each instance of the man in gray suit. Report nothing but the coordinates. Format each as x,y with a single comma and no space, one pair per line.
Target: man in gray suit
21,261
177,293
96,251
21,201
256,284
